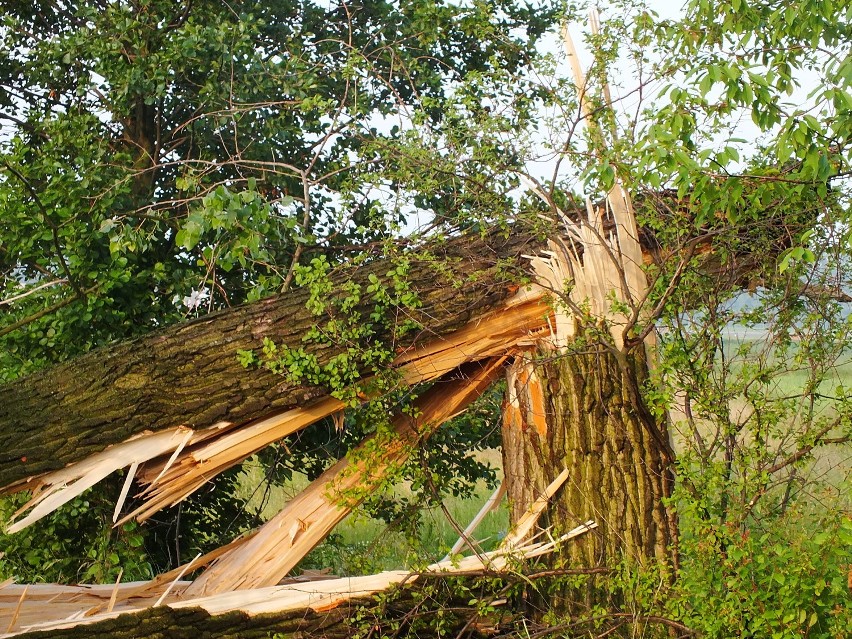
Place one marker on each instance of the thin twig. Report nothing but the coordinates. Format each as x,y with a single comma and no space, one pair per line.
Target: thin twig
21,296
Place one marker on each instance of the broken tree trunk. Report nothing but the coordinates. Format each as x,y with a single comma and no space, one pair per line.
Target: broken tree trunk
184,383
576,401
178,461
575,409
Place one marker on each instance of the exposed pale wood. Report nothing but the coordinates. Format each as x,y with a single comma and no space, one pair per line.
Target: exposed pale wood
70,605
71,481
309,517
114,594
611,263
491,504
591,415
174,482
525,524
182,572
125,489
151,591
17,611
171,460
54,602
187,459
494,334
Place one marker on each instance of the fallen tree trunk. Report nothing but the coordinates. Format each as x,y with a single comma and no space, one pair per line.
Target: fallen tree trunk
188,375
342,618
176,462
325,606
191,623
187,378
357,615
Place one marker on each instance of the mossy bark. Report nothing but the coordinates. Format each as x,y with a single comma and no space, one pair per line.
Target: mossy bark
192,623
581,410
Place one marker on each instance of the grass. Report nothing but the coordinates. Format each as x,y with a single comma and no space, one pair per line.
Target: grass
361,544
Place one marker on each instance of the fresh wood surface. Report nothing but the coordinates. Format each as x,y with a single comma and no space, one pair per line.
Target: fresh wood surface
290,609
307,519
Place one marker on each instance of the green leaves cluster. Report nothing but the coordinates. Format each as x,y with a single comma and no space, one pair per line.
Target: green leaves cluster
77,544
786,577
758,389
361,326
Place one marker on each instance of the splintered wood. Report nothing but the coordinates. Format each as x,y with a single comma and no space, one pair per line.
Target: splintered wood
63,485
245,575
175,463
600,260
51,608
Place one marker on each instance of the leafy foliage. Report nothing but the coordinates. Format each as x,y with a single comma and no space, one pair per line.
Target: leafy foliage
48,553
367,324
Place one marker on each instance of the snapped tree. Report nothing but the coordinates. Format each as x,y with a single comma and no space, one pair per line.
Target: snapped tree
591,397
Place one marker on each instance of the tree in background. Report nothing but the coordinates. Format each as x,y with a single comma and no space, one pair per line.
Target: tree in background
162,160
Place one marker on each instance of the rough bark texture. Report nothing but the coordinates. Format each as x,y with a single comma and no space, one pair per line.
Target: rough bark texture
192,623
578,410
188,374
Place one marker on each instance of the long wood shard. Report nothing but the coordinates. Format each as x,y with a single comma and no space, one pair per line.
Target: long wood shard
307,519
52,608
68,483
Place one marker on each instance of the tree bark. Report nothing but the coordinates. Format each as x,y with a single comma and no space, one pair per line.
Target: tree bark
191,623
188,374
580,409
